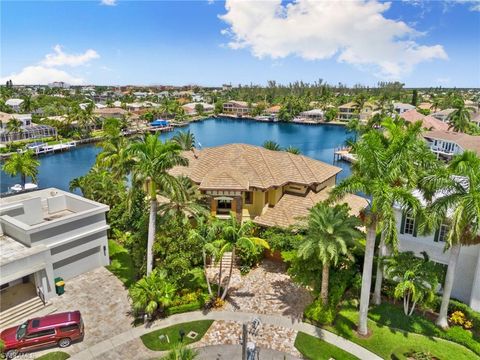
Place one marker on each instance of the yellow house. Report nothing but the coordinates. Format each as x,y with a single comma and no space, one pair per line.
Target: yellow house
268,187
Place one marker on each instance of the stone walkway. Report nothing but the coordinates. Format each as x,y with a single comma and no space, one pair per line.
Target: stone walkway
127,342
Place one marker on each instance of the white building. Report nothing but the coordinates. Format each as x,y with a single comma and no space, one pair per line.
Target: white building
59,84
400,108
466,286
314,115
47,234
15,104
446,144
190,108
443,115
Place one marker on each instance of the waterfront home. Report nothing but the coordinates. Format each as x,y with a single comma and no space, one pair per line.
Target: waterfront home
237,108
400,108
367,111
190,108
314,115
268,187
466,286
347,111
446,144
15,104
443,115
428,122
27,129
44,235
114,112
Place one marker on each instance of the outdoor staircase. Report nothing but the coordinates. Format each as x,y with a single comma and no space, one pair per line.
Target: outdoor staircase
226,262
24,311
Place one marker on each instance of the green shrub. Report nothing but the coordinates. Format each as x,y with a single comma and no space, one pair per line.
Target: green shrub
249,257
281,239
183,308
319,314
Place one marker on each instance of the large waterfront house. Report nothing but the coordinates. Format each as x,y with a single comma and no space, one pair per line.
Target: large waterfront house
466,286
314,115
237,108
268,187
347,111
428,122
446,144
110,112
46,234
27,129
191,108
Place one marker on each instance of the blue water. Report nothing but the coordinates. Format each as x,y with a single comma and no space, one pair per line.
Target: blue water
316,141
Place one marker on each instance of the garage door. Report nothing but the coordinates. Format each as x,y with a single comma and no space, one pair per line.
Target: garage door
77,264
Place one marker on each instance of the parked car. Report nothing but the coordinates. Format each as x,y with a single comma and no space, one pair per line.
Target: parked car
60,329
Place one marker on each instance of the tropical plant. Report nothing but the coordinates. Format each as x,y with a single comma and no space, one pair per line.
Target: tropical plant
14,126
459,119
152,293
271,145
388,166
23,164
330,231
293,150
186,140
152,159
417,279
458,205
199,109
180,351
114,155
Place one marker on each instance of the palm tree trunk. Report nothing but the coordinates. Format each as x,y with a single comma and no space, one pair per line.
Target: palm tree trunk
220,277
151,233
24,180
366,280
224,295
205,270
377,293
325,279
447,288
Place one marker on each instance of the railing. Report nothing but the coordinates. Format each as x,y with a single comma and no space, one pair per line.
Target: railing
41,295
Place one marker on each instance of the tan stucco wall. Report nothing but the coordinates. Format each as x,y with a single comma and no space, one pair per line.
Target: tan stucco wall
258,203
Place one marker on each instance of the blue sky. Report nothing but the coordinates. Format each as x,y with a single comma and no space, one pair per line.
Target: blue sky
198,42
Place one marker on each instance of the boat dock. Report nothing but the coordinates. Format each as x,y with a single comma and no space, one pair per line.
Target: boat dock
344,154
44,148
155,129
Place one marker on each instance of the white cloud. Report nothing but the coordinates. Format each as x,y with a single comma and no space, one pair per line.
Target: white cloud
474,4
355,32
48,70
41,75
108,2
60,58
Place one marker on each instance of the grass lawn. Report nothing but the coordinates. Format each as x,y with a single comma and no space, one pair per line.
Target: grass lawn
121,264
386,340
152,341
55,355
316,349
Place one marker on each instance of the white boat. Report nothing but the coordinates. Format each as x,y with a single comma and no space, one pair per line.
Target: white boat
27,187
16,188
30,186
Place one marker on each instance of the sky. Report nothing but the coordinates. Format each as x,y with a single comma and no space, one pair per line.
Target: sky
209,43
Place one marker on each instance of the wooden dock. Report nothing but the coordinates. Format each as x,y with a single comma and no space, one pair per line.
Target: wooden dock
345,155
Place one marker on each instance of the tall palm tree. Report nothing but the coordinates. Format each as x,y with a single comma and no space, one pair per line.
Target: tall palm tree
24,164
387,173
115,155
459,120
330,231
237,233
152,159
14,126
459,207
271,145
185,139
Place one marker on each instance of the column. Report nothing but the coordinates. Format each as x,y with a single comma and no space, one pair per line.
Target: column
213,206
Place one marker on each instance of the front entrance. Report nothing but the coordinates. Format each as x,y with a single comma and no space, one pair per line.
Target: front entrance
17,292
224,206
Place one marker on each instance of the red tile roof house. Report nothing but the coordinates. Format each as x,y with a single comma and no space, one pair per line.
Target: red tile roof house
429,122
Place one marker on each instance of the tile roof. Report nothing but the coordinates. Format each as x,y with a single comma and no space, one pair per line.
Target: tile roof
428,122
465,141
291,208
110,111
241,166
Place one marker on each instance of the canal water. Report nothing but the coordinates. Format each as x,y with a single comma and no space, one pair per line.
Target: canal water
316,141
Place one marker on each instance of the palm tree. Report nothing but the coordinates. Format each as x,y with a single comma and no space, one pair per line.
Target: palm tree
152,159
459,120
152,293
417,279
271,145
237,233
293,150
387,173
329,233
180,351
459,208
24,164
14,126
115,155
185,139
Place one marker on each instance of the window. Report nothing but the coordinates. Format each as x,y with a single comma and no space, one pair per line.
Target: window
442,234
69,328
409,226
248,197
40,333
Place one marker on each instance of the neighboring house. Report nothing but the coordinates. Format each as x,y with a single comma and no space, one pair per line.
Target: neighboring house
425,106
47,234
28,129
347,112
476,118
400,108
314,115
269,187
134,106
190,108
428,122
15,104
197,98
140,94
59,84
443,115
466,286
114,112
367,111
446,144
238,108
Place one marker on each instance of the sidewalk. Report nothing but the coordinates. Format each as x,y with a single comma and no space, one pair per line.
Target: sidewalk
108,345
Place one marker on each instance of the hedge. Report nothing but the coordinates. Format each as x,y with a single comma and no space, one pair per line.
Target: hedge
183,308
